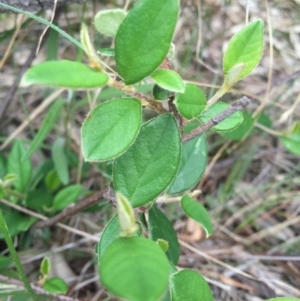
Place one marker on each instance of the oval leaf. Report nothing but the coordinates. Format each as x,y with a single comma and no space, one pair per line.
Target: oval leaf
135,269
197,212
55,285
15,165
144,38
190,103
108,21
228,124
192,165
189,285
110,234
159,93
168,79
245,47
149,166
67,196
243,130
64,74
110,129
161,228
292,142
45,128
60,160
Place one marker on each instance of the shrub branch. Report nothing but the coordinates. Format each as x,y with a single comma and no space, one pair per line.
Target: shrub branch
234,107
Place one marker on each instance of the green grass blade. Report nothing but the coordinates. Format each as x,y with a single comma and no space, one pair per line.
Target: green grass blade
14,255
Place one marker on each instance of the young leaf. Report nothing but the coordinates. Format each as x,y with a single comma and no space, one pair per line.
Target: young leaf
245,47
64,74
45,266
125,216
196,211
149,166
229,123
110,129
144,38
60,160
190,103
135,269
55,285
169,80
163,244
16,165
45,127
67,196
192,165
292,142
110,233
159,93
108,21
243,130
161,228
189,285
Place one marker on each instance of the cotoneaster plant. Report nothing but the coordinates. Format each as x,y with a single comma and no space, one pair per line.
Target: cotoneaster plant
166,155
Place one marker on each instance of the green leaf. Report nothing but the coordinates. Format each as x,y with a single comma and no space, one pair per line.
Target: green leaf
45,127
144,38
149,166
126,216
189,285
110,129
67,196
108,21
5,261
3,168
228,124
64,74
107,51
45,266
245,47
168,79
190,103
159,93
60,160
192,165
15,165
243,130
38,199
292,142
161,228
52,180
110,233
56,285
135,269
24,222
197,212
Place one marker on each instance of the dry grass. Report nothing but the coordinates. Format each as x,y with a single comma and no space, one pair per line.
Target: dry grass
252,187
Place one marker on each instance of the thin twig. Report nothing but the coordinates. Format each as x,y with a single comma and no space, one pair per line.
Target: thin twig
234,107
42,217
70,211
37,289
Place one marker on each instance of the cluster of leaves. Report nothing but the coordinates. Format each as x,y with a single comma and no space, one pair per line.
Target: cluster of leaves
148,157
